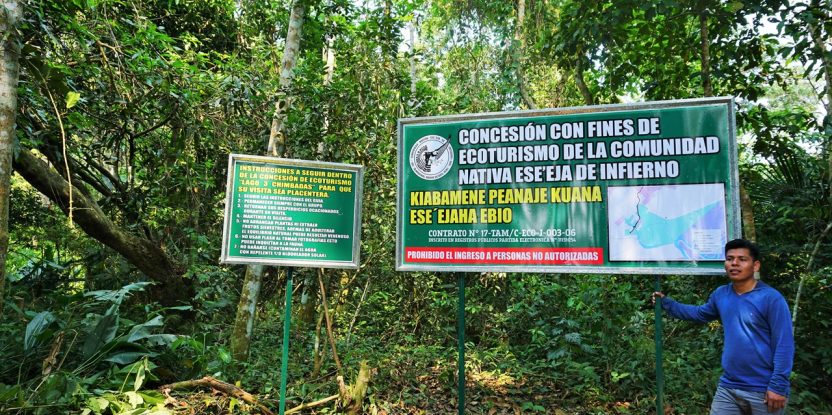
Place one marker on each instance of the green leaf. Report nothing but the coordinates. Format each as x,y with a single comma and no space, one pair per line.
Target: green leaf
97,405
224,355
116,296
152,397
141,331
125,358
35,327
9,394
134,399
72,98
140,376
161,339
734,6
103,332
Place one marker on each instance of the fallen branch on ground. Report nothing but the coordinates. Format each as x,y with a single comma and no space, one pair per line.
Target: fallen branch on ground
311,404
226,388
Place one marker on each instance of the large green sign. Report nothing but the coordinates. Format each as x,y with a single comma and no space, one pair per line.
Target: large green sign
636,188
292,212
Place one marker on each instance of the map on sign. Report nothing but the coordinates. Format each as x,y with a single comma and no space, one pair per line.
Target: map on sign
669,222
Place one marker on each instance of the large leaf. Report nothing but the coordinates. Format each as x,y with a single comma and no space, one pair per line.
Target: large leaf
103,332
124,358
117,296
141,331
35,327
161,339
10,394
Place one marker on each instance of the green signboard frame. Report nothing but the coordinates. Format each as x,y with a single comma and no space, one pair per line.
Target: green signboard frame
645,188
292,213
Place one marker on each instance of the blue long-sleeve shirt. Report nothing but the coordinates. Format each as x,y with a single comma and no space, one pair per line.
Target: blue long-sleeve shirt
759,346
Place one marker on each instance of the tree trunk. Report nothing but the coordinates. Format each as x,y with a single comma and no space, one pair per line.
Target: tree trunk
411,26
246,312
10,14
277,137
749,227
142,253
244,321
809,268
579,79
520,47
705,53
308,300
825,57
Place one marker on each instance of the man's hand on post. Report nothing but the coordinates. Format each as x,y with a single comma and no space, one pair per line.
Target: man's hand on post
657,294
775,401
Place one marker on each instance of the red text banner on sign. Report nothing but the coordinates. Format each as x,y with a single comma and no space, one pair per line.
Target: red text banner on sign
553,256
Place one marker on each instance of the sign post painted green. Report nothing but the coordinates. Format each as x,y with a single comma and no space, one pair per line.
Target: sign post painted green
292,212
646,188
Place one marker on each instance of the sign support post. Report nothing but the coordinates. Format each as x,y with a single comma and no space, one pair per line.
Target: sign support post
460,333
287,322
659,354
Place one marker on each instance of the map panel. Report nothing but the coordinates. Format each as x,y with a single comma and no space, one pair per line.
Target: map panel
667,223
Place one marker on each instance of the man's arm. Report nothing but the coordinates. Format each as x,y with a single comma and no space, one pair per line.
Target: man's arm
782,347
698,313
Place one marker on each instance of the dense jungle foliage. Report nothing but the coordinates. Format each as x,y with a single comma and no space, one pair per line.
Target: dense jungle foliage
116,290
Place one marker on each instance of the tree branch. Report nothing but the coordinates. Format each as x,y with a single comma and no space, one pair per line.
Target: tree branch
226,388
141,252
329,325
809,267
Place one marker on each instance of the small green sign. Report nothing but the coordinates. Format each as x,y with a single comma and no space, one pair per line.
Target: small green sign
635,188
292,212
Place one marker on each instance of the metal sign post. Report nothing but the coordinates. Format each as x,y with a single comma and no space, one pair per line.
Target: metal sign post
659,354
287,322
460,332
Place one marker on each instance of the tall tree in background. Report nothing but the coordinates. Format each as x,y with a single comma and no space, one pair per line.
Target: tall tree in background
244,322
10,14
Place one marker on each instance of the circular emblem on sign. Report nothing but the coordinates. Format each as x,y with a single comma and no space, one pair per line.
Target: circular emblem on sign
431,157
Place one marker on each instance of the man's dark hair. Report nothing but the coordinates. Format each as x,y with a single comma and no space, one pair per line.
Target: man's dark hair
744,243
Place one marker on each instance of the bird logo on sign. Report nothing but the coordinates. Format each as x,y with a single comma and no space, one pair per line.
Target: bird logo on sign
431,157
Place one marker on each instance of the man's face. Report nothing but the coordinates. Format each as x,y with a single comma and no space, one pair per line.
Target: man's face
739,265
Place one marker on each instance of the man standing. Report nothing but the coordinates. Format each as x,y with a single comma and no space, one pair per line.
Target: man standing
758,347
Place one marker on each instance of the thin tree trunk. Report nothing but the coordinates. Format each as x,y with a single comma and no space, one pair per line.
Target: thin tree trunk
246,312
520,45
277,137
10,14
819,47
244,320
749,226
809,268
413,68
142,253
308,300
705,52
317,351
579,79
329,332
825,57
